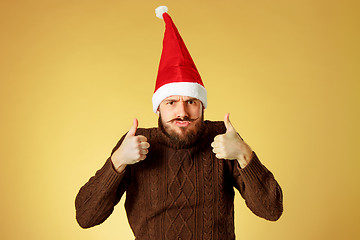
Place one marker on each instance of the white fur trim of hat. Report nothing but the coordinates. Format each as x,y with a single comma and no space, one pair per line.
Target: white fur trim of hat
189,89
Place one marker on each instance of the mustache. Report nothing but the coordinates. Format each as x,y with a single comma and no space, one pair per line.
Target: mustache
183,119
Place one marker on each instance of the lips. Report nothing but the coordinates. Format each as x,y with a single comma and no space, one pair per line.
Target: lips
182,123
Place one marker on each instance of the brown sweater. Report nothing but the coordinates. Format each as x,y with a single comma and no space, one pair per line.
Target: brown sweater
180,192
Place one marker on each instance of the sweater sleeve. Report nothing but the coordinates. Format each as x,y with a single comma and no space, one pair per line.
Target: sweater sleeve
97,198
257,185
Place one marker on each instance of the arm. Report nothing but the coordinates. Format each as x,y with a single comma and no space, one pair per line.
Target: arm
256,184
258,187
96,199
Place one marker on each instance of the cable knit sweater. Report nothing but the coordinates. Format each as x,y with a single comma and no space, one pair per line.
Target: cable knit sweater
180,192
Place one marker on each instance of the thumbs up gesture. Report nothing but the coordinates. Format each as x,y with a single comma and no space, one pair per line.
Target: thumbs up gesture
133,149
230,145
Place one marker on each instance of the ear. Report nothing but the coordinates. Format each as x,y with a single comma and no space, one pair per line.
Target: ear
157,112
202,105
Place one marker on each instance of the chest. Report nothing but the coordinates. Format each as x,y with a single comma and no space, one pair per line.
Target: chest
178,178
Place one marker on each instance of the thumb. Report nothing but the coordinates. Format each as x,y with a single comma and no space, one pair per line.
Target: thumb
228,125
133,128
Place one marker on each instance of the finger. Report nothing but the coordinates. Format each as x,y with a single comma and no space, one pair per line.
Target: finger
228,125
215,144
139,158
218,138
216,150
144,151
144,145
220,156
142,138
133,128
142,157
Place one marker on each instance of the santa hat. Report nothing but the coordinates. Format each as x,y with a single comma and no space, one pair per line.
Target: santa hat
177,73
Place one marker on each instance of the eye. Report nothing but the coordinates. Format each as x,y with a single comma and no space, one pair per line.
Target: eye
191,102
170,103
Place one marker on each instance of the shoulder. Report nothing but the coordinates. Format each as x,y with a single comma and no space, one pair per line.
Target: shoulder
215,127
147,132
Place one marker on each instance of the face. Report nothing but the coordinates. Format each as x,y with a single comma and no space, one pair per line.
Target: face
181,117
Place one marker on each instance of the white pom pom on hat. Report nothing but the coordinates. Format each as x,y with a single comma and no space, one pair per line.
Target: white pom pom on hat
177,74
160,10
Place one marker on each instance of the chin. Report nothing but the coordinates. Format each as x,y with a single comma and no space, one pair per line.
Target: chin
184,135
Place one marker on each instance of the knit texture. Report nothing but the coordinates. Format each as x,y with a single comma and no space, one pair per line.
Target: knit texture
180,192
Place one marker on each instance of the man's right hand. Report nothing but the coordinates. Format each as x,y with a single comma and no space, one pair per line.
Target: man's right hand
133,149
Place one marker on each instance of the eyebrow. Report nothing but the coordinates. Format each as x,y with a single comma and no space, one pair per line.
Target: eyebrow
177,100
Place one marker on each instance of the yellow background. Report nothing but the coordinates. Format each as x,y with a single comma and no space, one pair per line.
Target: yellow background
74,73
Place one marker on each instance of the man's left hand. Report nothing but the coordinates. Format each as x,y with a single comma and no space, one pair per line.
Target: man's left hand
230,145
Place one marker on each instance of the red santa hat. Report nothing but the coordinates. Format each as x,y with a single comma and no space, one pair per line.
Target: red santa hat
177,73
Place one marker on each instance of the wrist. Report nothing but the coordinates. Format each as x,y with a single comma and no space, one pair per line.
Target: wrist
118,165
121,168
244,159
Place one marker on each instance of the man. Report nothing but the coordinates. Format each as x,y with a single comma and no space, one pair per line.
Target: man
179,178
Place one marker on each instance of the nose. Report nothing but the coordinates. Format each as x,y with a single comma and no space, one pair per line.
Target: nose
182,110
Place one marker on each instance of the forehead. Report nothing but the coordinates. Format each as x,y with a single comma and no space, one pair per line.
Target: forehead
179,98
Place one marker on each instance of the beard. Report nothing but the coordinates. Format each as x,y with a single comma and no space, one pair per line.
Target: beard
188,135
